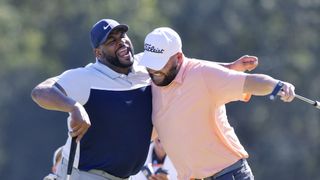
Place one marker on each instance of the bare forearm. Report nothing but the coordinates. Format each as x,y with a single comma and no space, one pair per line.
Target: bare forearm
52,96
48,96
259,84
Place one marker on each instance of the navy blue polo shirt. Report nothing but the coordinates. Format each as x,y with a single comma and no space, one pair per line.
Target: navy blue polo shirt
119,107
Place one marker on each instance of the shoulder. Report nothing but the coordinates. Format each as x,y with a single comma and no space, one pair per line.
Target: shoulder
76,72
205,66
193,63
72,78
212,71
197,66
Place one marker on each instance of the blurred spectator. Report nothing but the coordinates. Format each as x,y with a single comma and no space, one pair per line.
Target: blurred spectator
55,163
158,166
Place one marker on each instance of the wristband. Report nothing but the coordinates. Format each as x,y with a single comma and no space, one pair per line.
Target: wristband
276,90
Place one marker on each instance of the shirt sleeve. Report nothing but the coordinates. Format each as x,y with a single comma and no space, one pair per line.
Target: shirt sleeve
76,84
224,84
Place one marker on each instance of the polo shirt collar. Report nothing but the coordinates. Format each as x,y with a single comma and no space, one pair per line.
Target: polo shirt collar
108,71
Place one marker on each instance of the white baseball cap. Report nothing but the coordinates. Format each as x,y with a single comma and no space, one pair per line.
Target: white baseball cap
159,46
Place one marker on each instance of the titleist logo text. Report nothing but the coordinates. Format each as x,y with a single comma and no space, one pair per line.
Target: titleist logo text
149,47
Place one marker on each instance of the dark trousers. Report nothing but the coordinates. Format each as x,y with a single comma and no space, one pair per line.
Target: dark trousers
238,171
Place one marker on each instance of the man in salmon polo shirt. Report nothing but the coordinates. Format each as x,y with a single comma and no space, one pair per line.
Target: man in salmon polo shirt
189,98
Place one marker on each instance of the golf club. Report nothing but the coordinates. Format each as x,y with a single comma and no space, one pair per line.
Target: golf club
71,157
304,99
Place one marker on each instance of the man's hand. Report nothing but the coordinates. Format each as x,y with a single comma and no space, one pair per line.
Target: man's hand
160,176
245,63
287,93
80,121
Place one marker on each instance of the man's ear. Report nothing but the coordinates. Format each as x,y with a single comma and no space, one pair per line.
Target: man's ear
97,52
180,57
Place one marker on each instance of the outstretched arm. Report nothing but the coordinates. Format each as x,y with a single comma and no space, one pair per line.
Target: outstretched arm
51,96
261,85
244,63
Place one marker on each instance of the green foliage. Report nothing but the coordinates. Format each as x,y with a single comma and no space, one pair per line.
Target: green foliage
40,39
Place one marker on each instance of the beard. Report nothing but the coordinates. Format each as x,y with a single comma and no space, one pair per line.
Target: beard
115,61
168,78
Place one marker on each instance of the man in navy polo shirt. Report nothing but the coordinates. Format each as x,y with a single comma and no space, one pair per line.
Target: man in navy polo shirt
109,105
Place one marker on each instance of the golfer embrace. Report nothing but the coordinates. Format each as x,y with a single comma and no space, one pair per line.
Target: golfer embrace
189,98
109,103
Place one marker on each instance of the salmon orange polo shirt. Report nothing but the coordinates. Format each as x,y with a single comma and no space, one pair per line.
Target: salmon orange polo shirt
190,118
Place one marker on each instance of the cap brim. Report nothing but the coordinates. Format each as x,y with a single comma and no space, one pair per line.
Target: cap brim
153,62
120,27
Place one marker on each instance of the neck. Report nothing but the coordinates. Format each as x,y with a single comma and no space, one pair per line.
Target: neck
125,71
121,70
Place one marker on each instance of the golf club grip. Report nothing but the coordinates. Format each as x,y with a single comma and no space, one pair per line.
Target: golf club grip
71,155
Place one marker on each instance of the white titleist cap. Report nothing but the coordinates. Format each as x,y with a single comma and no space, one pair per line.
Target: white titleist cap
159,46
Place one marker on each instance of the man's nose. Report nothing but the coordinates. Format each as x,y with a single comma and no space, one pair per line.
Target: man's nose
122,41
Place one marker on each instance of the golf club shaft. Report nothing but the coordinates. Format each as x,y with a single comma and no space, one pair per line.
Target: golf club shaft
279,88
72,153
312,102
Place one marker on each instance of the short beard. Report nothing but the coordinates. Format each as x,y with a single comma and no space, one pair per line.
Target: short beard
169,77
116,62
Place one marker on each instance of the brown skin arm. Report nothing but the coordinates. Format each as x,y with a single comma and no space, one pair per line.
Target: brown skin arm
50,95
244,63
259,84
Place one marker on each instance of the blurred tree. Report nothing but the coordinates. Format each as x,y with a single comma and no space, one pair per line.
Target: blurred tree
40,39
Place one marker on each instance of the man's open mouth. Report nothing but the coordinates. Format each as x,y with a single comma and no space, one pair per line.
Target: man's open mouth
123,52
